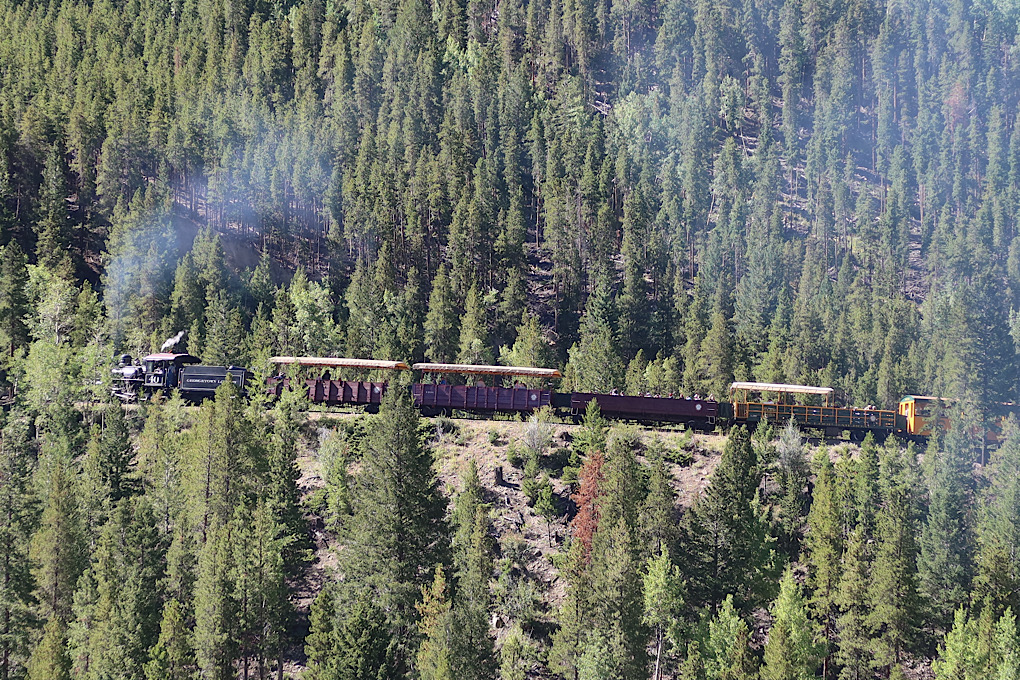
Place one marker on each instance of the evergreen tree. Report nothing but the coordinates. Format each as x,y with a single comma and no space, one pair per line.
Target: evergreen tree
792,478
513,655
52,237
215,611
595,364
49,659
943,563
474,335
658,512
441,321
529,349
57,549
998,527
790,652
957,655
435,656
853,651
893,585
398,530
172,658
729,547
866,492
117,613
13,299
348,644
1007,647
473,654
18,514
727,647
664,601
823,546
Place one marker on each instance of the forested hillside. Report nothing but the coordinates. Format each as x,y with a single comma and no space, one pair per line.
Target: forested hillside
809,191
654,195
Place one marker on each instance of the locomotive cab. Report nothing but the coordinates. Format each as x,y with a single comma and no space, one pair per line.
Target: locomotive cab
163,370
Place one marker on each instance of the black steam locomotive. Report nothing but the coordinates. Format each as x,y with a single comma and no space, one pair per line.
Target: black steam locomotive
163,372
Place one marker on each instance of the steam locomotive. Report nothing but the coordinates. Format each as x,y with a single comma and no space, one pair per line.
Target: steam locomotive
135,380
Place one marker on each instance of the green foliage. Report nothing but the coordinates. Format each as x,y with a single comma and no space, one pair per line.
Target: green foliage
172,657
893,586
790,652
663,605
18,514
729,547
727,646
398,530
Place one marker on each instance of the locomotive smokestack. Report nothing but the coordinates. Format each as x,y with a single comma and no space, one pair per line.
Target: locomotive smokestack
170,342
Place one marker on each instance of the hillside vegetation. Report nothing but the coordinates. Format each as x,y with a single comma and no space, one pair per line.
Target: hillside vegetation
811,191
653,195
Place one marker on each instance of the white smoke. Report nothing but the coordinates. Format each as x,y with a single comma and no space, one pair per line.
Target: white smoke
170,342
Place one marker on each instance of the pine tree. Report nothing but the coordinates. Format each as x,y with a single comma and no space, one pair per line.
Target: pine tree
893,586
13,299
866,492
219,456
398,531
513,655
259,585
435,656
57,548
545,506
729,547
215,612
618,604
998,527
172,658
792,478
474,334
441,321
117,614
823,546
348,644
957,653
1007,647
473,653
530,348
693,667
595,364
727,648
790,652
853,651
18,514
663,604
943,563
658,512
223,327
53,239
49,659
576,614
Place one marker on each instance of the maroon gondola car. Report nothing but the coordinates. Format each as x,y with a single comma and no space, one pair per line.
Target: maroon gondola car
476,398
699,412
